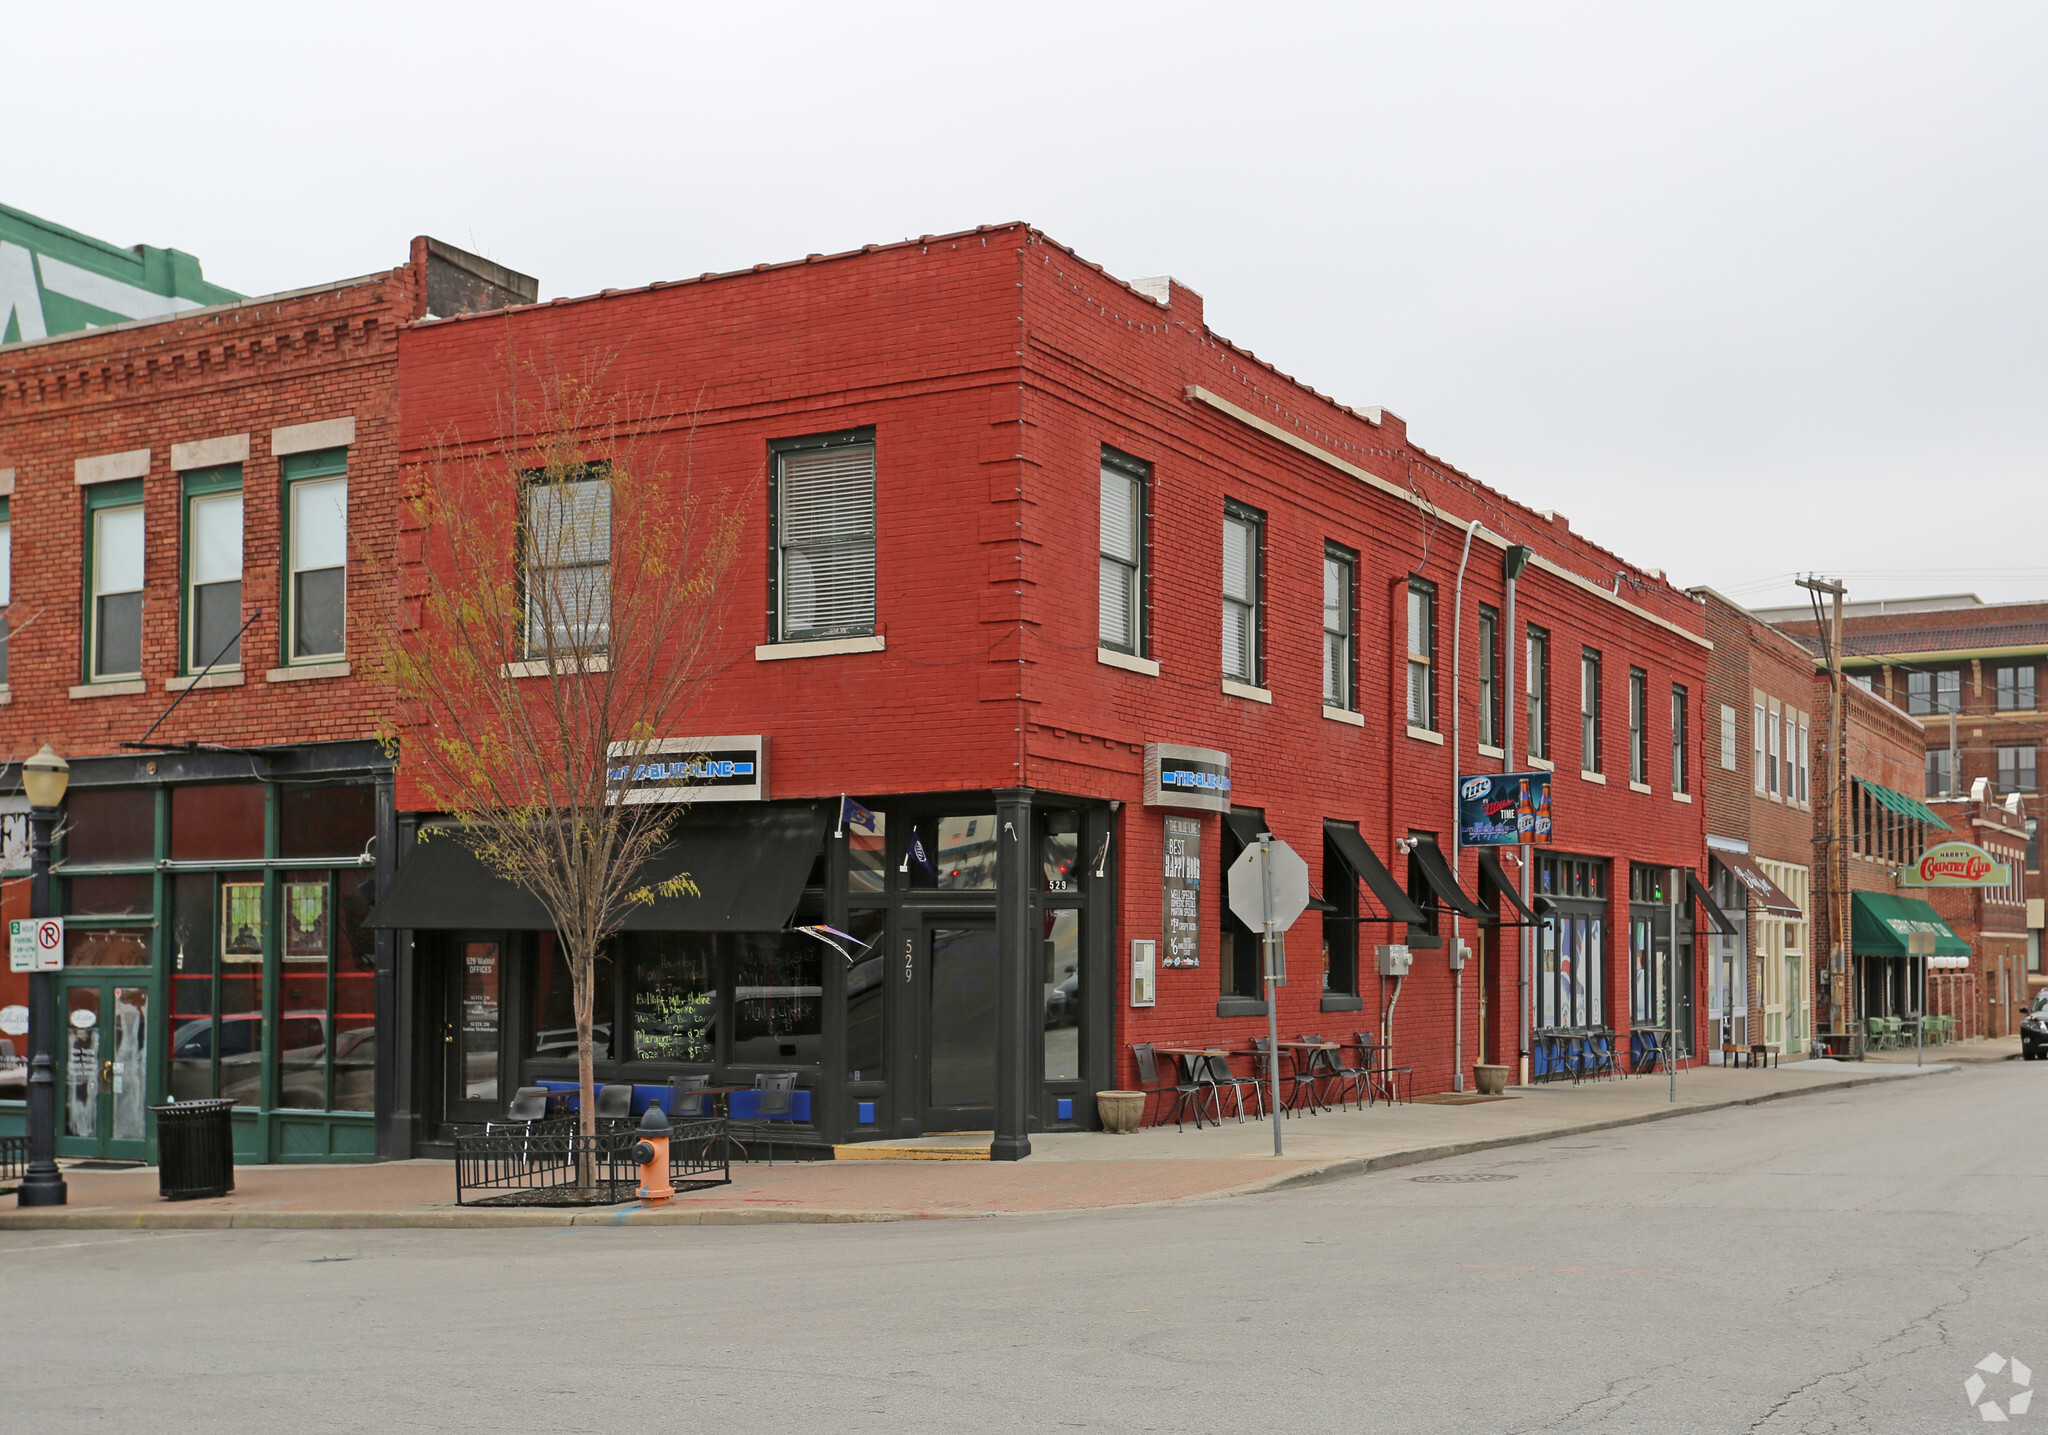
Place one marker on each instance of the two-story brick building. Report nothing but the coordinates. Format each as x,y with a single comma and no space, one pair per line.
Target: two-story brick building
1099,598
196,519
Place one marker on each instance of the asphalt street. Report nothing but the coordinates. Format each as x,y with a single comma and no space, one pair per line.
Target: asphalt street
1831,1263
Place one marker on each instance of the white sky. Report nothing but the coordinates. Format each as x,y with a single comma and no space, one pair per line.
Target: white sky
1742,289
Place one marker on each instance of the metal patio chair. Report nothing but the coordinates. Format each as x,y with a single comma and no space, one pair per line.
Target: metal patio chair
614,1106
1149,1082
1383,1078
687,1099
1329,1066
1215,1073
1299,1086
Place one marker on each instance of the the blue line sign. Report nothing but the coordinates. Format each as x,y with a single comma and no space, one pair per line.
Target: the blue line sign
690,769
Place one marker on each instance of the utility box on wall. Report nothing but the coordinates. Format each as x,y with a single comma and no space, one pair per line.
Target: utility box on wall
1459,952
1144,971
1395,959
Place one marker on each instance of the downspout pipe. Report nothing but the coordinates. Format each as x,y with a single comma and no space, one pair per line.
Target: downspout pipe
1457,765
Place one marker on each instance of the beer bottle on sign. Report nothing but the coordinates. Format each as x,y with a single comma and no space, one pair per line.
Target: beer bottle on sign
1543,814
1525,815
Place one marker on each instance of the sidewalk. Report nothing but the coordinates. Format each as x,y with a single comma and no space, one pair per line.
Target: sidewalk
1065,1172
1975,1051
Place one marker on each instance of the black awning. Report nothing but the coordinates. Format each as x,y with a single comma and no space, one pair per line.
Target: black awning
1489,864
1245,825
1366,865
1714,913
749,864
1769,895
1437,873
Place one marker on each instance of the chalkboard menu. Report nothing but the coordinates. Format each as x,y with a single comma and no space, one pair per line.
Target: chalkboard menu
673,1021
1183,882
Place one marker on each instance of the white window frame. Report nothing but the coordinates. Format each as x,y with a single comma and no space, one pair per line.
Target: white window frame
573,629
1122,573
1420,626
1340,606
96,593
1241,595
1731,738
843,540
299,497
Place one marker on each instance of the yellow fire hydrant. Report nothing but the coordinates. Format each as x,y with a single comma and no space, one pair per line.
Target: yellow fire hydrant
651,1152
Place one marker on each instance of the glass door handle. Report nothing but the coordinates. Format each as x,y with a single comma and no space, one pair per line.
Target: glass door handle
106,1072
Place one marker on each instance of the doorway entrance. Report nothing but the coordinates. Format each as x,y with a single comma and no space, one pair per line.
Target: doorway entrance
102,1050
958,1030
472,1034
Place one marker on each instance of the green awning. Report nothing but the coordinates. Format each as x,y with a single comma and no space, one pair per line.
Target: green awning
1880,922
1904,805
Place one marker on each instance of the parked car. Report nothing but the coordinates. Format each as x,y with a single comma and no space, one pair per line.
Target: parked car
2034,1030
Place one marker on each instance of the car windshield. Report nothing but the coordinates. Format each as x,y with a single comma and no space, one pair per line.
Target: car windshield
2041,1001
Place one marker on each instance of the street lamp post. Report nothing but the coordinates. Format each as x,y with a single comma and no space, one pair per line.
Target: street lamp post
44,776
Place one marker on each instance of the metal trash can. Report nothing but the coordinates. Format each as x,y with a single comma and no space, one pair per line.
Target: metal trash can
195,1149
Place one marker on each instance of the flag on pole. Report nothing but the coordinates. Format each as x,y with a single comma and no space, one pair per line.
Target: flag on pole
852,814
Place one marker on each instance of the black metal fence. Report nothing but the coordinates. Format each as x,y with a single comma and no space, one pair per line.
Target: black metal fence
552,1164
13,1157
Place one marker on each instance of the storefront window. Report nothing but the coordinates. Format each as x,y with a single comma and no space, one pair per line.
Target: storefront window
217,822
354,1020
1060,975
191,1042
953,854
110,827
239,1026
1059,850
553,1036
1571,961
673,995
326,819
864,997
867,861
111,896
1340,932
106,947
777,1007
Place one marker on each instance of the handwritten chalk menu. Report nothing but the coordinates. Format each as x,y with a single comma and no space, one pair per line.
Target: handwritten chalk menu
1183,881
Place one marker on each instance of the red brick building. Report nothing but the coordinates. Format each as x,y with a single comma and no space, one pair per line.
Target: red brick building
1131,586
196,512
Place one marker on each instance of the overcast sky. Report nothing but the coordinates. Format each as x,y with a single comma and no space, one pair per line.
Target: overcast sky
1741,289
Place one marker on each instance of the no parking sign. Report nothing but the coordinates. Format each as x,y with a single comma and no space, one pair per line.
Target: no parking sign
36,945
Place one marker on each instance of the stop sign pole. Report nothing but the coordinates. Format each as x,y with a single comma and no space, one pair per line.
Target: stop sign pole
1270,899
1276,978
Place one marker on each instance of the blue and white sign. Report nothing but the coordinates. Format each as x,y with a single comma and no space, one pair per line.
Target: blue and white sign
690,769
1177,776
1504,809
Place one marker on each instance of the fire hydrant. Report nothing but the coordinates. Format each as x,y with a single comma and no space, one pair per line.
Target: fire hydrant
651,1152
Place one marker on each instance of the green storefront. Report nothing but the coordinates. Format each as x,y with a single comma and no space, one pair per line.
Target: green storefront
1888,975
213,904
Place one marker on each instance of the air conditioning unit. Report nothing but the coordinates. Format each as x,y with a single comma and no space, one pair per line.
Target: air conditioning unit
1395,959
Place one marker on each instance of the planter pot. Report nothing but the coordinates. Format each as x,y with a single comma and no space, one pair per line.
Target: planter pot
1121,1110
1492,1080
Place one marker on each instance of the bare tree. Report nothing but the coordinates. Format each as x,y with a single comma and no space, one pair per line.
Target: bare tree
559,586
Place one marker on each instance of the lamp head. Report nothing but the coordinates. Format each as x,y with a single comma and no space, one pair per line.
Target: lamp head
44,777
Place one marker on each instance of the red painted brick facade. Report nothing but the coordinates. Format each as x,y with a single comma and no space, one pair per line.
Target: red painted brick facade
993,367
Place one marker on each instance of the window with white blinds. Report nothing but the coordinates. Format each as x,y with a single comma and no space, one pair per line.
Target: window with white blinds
825,542
1121,555
1241,596
566,567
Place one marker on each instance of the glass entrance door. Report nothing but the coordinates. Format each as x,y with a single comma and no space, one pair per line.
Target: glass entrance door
102,1050
474,1029
961,971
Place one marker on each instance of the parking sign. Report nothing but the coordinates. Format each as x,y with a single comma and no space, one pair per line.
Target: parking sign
36,945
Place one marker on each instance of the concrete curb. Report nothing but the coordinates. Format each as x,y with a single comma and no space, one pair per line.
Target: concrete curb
170,1217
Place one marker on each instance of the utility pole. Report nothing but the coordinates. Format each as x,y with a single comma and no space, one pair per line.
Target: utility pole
1834,850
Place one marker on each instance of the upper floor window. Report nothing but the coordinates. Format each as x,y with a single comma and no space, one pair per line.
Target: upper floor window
1242,535
6,582
1681,757
1421,654
1122,552
113,566
1638,725
1589,710
565,562
1940,773
1731,729
824,538
2016,689
1536,682
1340,566
213,568
1760,773
2016,769
1771,746
316,570
1489,677
1934,692
1803,763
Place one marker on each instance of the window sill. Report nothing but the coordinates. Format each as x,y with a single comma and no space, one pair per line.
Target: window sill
1599,777
1542,764
226,678
307,671
1241,1006
127,688
1344,715
1111,658
1337,1001
821,648
6,695
541,667
1423,734
1642,787
1485,751
1235,689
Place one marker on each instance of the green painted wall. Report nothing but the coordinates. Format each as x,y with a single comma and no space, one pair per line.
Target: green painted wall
55,280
